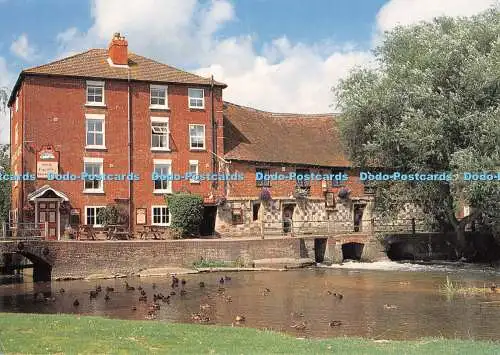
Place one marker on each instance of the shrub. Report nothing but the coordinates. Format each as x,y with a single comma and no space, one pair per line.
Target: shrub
113,214
187,213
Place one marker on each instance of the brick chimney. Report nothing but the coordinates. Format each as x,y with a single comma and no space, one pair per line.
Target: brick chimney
118,50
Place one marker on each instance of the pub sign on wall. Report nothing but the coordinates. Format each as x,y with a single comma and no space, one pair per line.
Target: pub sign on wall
47,162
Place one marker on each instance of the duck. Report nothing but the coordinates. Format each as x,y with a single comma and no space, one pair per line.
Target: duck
390,306
227,278
143,298
299,326
153,286
143,293
128,287
154,307
107,298
93,294
139,288
183,292
221,281
335,323
202,284
62,290
98,288
338,295
493,288
109,289
266,292
183,282
134,308
172,293
76,303
240,318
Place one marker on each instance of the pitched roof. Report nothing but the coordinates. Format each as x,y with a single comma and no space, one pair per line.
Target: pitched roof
302,139
94,64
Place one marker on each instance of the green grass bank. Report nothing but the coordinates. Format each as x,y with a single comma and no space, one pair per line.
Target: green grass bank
71,334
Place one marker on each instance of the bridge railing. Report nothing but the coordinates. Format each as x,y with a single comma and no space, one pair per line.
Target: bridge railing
25,231
305,227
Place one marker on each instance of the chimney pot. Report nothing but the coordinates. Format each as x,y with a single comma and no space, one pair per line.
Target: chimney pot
118,50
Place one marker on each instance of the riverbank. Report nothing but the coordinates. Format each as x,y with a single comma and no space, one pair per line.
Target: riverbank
34,333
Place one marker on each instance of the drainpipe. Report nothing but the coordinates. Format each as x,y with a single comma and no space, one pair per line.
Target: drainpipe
214,133
129,123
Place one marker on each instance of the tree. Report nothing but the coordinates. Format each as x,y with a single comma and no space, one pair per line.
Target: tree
5,186
431,105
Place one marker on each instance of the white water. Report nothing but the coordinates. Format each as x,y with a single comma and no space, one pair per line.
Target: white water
415,267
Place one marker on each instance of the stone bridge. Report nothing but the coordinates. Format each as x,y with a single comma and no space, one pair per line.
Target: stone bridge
80,259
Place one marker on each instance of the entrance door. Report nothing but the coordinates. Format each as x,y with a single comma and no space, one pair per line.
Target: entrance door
358,216
47,212
207,226
287,218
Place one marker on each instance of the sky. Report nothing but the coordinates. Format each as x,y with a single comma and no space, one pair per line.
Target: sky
275,55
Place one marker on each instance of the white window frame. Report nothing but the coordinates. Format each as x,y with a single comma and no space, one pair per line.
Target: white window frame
190,90
91,116
190,137
95,84
168,162
160,224
95,208
162,120
194,162
156,106
94,161
17,103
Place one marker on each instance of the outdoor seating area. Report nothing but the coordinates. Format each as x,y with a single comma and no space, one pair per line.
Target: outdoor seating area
118,232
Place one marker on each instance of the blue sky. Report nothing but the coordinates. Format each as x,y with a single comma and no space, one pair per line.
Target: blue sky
277,55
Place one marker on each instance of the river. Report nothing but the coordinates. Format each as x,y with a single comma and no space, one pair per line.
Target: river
386,300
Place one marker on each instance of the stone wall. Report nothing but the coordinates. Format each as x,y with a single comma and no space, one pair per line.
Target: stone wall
78,259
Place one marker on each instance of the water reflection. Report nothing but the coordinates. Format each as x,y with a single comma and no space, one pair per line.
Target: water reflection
375,304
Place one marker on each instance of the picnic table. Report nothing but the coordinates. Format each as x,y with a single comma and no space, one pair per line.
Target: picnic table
117,231
150,230
87,230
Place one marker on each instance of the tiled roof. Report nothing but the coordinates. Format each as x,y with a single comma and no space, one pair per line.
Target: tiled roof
308,139
94,63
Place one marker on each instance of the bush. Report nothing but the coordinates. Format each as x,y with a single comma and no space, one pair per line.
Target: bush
113,214
187,213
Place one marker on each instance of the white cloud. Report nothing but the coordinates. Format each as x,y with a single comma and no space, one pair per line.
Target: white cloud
407,12
21,48
281,76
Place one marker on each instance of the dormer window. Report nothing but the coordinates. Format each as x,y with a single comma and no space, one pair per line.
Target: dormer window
159,97
95,93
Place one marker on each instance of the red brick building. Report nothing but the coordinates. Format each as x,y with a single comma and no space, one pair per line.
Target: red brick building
110,111
290,145
113,112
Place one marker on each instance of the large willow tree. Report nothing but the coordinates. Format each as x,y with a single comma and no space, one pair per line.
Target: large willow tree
432,105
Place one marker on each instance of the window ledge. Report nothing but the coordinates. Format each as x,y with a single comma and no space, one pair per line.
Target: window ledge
90,104
197,108
100,192
162,192
95,147
156,149
197,149
159,107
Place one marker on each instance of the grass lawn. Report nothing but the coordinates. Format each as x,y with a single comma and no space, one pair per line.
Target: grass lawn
70,334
